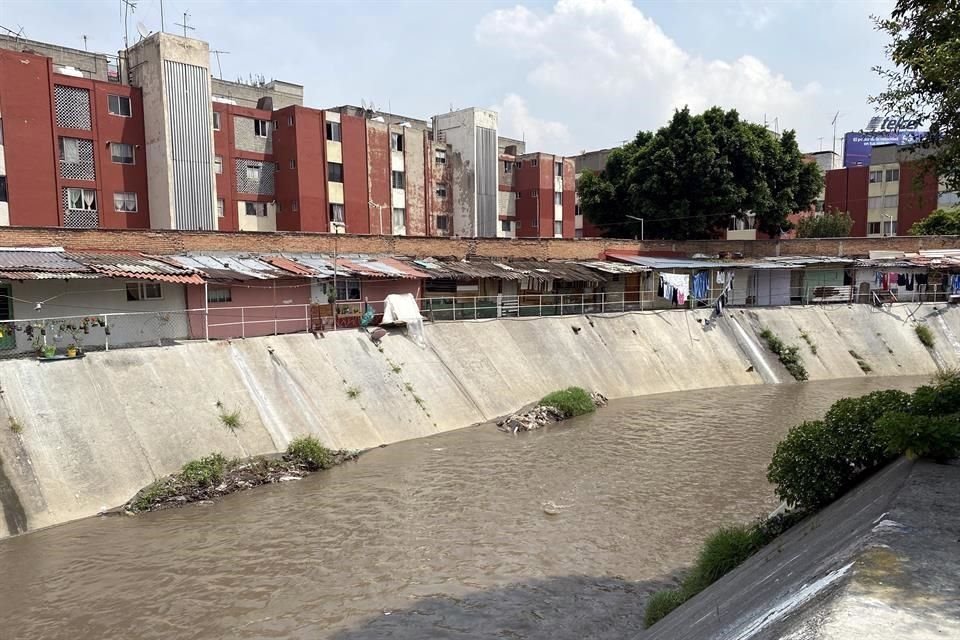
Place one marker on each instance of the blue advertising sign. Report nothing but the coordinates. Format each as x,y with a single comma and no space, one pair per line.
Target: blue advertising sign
858,145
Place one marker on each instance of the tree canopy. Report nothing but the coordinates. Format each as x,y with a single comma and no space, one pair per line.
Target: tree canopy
829,224
942,222
925,83
687,179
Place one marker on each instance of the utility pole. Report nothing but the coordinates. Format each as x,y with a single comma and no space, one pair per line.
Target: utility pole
185,24
162,25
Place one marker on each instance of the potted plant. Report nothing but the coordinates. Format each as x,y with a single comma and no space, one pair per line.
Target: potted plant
71,351
76,332
49,350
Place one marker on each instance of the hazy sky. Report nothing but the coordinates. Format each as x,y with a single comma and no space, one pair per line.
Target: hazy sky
567,76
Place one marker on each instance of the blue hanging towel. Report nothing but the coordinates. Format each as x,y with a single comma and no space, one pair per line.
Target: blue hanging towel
701,285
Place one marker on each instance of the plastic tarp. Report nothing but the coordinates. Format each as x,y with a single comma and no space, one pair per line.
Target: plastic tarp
402,307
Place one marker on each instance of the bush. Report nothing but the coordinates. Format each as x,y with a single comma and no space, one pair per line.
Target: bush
722,552
916,436
205,471
154,492
807,468
925,335
660,604
936,400
572,401
309,452
852,425
789,355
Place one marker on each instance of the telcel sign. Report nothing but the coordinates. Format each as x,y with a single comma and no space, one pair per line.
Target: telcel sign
880,130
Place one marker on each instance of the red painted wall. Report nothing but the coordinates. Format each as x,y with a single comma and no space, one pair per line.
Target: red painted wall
569,200
354,148
527,181
26,106
846,190
223,147
285,302
918,196
376,291
378,167
311,172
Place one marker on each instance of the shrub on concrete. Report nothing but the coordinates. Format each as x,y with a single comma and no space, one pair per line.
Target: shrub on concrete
925,335
660,604
917,436
722,552
852,425
572,401
311,453
807,468
789,355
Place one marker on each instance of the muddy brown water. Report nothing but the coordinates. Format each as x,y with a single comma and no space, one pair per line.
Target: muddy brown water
443,537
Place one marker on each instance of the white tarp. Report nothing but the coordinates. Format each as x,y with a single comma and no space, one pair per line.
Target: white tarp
402,307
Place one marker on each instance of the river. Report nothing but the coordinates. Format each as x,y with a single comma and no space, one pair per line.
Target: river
442,537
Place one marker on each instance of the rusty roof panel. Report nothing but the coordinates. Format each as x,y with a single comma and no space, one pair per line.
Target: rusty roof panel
52,260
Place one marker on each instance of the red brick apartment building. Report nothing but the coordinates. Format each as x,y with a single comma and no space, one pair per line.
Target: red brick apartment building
886,197
148,139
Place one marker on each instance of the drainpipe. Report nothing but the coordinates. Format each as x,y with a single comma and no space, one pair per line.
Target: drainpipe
206,313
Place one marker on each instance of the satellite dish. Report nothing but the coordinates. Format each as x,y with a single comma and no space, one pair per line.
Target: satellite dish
142,30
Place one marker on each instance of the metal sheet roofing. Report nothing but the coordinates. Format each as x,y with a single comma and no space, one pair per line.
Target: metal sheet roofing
231,267
664,264
615,267
138,267
47,260
566,271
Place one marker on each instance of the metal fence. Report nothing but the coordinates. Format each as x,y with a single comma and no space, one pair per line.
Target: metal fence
106,331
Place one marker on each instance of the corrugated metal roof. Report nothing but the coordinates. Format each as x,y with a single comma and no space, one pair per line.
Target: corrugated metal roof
47,275
615,267
138,267
40,260
665,264
231,267
289,265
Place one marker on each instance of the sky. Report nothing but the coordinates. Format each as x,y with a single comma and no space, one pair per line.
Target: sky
565,75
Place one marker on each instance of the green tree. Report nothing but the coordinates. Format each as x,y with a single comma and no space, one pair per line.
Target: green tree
942,222
925,82
688,179
830,224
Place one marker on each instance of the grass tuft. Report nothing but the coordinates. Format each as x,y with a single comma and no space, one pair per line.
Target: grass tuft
308,451
572,401
789,355
206,471
925,335
15,426
353,393
660,604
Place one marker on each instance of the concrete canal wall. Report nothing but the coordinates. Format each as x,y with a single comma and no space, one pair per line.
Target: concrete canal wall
77,437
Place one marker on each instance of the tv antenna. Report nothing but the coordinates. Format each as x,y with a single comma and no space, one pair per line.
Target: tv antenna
185,24
131,6
84,36
142,30
217,53
16,34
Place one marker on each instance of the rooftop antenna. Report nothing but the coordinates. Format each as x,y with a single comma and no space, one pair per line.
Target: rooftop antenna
836,117
185,24
84,42
821,143
217,53
162,25
15,34
131,6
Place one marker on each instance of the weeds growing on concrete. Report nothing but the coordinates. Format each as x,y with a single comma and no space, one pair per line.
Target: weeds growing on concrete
925,335
206,471
789,355
809,341
572,401
863,364
231,420
353,393
310,452
15,426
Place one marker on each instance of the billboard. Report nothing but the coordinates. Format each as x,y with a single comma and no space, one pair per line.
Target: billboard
857,145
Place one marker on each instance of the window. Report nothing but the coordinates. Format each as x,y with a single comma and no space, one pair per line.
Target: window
295,206
69,150
258,209
218,164
890,227
333,131
517,195
948,199
125,202
557,228
3,188
289,121
253,172
216,121
536,222
534,194
440,156
443,223
119,105
335,172
558,197
507,166
82,199
505,226
217,295
396,142
893,175
891,202
874,202
293,164
144,291
441,190
276,124
348,289
279,206
1,130
559,167
121,152
219,207
399,218
873,228
336,213
261,128
518,164
876,176
396,179
534,162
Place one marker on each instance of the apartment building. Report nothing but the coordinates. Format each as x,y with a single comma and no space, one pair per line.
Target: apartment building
149,139
537,195
887,196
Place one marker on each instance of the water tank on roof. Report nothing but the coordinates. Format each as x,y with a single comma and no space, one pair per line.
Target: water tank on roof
265,103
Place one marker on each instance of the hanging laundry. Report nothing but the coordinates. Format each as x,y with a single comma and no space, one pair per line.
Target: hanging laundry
921,278
679,283
901,279
721,277
701,285
878,278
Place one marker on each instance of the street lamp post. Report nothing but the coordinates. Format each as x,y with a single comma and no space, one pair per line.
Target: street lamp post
641,225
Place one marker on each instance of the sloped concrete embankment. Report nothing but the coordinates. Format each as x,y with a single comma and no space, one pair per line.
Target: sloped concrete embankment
92,432
881,562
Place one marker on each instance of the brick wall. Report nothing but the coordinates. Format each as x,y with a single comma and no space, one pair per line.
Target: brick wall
161,242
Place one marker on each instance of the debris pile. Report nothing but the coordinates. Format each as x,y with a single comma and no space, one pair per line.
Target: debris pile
540,416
